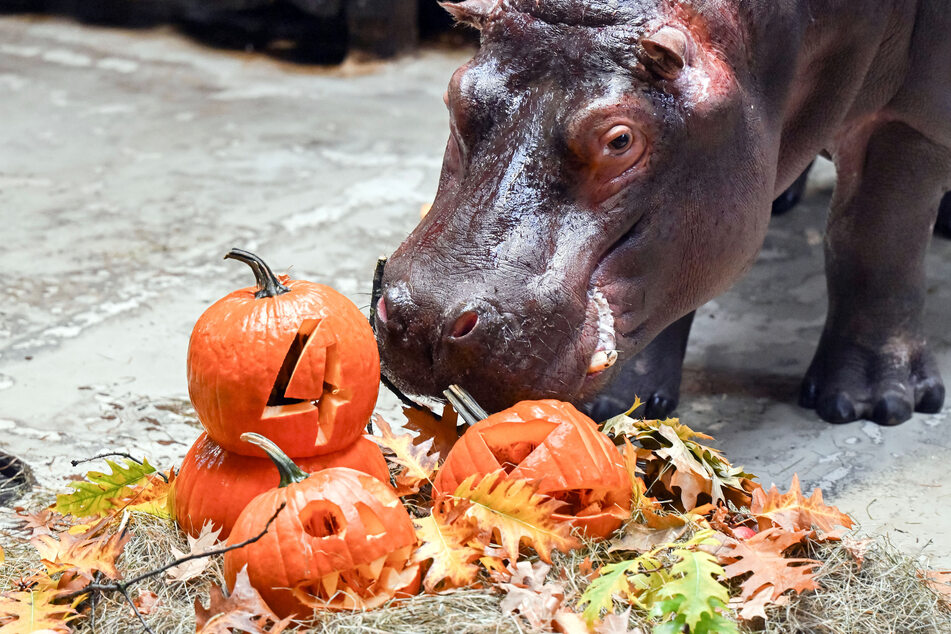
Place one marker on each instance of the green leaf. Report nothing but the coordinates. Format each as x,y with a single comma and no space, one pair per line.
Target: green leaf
599,595
97,495
693,596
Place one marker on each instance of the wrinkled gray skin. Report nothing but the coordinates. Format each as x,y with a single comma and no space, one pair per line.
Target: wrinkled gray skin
724,103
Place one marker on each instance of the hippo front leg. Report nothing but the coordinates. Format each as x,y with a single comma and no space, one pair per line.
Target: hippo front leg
653,375
873,361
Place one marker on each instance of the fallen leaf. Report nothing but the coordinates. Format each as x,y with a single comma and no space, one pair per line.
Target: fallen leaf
448,547
793,511
940,582
44,522
207,540
755,606
512,510
418,463
642,538
693,597
34,611
146,602
243,610
762,555
530,597
103,492
858,548
82,555
566,622
617,623
442,431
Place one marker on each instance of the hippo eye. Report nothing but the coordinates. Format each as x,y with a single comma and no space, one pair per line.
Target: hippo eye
619,139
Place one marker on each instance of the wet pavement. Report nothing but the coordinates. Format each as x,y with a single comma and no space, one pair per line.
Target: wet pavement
132,161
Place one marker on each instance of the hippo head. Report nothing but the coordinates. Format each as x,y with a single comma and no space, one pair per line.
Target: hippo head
605,175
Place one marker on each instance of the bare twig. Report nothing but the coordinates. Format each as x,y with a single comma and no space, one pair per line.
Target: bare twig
108,454
131,603
121,586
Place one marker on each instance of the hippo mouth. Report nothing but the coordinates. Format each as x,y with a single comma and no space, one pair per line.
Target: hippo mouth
599,328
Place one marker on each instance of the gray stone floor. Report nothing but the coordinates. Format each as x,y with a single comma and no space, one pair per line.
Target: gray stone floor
130,161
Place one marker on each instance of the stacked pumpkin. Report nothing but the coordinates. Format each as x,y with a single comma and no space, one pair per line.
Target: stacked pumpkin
291,368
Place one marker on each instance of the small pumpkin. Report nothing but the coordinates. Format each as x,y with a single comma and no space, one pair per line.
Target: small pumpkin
215,485
553,445
290,359
343,541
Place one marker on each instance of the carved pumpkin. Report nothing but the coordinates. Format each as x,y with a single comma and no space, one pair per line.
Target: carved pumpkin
343,541
215,485
290,359
558,448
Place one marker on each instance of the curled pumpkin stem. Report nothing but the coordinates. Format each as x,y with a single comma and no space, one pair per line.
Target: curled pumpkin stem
290,472
268,284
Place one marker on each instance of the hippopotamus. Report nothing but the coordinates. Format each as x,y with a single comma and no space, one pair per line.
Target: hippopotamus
611,167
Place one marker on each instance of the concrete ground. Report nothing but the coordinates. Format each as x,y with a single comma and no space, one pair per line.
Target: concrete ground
130,161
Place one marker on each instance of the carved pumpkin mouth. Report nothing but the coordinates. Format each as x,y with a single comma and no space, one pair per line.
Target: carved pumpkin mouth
516,448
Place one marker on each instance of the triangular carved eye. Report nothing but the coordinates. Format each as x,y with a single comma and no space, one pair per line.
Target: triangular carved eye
321,518
372,524
511,443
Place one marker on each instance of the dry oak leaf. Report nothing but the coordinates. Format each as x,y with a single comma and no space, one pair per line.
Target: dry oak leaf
84,554
858,548
207,539
940,582
513,511
642,538
146,602
448,546
527,594
44,522
762,555
418,463
243,610
34,611
755,606
617,623
795,512
442,431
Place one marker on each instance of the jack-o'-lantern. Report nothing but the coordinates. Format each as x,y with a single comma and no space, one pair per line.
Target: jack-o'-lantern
290,359
560,450
214,485
342,541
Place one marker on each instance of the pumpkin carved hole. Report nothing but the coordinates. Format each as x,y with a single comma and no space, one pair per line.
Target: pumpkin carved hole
580,501
323,519
511,443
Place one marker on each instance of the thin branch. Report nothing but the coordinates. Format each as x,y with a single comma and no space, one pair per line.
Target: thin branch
108,454
131,603
120,586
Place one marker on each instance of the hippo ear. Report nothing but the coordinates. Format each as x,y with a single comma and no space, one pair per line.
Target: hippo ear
666,52
472,12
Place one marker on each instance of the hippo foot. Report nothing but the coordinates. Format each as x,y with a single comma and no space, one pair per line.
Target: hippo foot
847,381
943,226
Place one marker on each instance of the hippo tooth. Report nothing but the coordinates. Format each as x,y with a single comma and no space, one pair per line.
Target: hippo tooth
602,360
329,582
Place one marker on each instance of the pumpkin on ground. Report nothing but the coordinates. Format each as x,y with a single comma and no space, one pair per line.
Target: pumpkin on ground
343,541
215,485
293,360
553,445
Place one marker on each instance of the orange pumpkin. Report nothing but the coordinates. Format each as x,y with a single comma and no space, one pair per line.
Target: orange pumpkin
290,359
215,485
343,541
553,445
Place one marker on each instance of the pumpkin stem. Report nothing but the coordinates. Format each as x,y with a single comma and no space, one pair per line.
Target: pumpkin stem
290,472
268,284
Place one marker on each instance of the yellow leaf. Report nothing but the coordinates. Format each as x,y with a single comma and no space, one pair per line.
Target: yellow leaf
417,461
512,510
82,555
447,545
23,612
442,431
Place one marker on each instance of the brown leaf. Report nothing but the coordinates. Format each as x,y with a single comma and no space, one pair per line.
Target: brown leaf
530,597
82,555
207,540
641,538
243,610
617,623
44,522
794,512
442,431
418,463
762,555
34,611
755,606
566,622
146,602
858,548
940,582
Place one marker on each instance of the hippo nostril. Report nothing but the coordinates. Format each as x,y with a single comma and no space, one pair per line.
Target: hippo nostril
381,310
464,324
